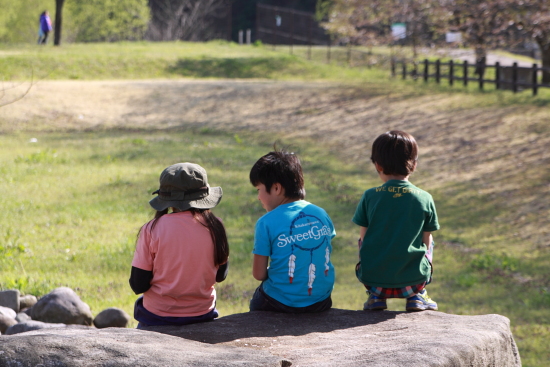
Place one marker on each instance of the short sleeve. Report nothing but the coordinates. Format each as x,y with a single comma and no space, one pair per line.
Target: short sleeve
431,224
262,244
333,230
360,217
143,257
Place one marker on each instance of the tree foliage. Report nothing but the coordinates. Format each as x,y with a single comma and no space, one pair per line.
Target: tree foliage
532,17
484,24
83,21
19,20
193,20
370,21
107,20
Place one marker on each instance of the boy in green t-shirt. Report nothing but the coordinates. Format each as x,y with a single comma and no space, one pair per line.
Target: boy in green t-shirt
396,219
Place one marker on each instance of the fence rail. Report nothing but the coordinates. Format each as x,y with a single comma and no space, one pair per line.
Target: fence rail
515,78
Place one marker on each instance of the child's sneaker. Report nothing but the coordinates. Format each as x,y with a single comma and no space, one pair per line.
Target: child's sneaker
421,302
375,303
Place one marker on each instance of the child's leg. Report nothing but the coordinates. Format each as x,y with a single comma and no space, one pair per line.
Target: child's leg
374,302
420,302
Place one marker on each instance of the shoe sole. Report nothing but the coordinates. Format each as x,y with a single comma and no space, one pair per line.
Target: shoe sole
416,308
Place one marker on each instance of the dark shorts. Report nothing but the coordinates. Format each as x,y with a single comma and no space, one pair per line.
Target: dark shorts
147,318
262,302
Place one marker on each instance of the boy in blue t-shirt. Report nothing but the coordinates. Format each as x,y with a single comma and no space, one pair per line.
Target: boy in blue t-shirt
396,219
294,236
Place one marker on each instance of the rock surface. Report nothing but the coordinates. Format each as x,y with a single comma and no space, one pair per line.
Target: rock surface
333,338
362,338
32,325
116,347
111,317
62,305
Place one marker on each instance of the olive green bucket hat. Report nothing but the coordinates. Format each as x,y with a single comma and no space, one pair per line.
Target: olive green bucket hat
184,186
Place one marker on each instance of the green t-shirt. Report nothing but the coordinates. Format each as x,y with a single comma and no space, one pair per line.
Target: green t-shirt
395,214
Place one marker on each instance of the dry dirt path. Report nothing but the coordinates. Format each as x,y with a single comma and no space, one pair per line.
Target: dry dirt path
489,149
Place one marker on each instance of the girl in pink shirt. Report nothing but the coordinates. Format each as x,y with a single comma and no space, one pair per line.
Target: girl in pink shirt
181,253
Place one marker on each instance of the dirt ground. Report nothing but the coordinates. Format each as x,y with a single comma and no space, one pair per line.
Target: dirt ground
486,148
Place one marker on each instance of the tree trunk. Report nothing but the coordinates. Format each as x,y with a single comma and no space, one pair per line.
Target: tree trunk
58,21
545,56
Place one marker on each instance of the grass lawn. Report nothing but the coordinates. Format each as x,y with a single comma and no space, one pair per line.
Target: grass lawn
74,199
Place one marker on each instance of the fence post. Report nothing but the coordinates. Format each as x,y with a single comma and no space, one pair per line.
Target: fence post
309,38
438,71
451,72
349,55
404,69
230,20
426,66
328,51
515,77
240,36
291,32
393,66
248,36
465,73
534,80
480,78
497,75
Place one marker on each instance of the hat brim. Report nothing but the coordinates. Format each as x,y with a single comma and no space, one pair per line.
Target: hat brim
208,202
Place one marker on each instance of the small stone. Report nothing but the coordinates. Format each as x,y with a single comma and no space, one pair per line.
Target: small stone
5,323
10,298
27,301
111,317
6,311
62,305
22,317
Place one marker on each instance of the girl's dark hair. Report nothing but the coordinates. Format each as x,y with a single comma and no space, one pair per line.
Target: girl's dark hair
210,221
280,167
396,152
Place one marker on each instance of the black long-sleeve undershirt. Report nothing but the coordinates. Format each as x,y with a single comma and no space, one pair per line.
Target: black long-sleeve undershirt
140,280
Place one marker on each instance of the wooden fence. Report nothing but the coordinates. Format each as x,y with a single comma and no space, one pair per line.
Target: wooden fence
515,78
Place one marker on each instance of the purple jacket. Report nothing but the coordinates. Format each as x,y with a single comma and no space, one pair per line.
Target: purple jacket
45,23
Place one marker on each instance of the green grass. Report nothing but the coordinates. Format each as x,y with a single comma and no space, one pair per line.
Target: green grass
73,204
143,60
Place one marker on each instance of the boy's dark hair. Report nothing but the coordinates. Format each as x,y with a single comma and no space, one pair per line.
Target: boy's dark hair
280,167
396,152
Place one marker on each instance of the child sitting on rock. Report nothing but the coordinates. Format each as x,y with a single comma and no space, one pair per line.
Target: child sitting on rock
294,236
181,253
396,219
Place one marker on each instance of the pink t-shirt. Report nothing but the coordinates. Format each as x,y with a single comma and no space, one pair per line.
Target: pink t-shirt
180,252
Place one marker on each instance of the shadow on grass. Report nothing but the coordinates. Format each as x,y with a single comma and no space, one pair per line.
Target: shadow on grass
259,67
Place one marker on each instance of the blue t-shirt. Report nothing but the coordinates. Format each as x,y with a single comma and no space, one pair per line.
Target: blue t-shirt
296,237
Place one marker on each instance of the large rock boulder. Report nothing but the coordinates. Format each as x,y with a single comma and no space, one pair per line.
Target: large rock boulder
116,347
62,305
364,338
332,338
